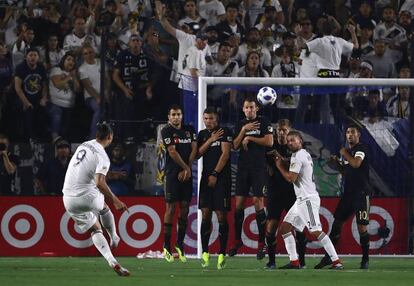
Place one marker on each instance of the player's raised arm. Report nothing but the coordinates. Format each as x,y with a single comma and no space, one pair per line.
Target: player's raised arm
160,9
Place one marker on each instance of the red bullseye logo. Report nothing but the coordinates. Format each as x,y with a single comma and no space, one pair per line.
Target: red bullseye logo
250,233
72,234
141,227
378,217
191,236
22,226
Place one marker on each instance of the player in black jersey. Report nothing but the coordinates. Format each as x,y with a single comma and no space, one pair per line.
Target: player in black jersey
180,141
132,86
280,195
214,144
355,198
254,134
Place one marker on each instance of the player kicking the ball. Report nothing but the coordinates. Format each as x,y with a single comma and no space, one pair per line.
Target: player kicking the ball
85,191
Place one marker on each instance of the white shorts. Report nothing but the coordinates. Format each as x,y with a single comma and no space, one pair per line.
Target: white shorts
305,212
84,210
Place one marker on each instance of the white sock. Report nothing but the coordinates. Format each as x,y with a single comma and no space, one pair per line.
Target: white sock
102,245
328,246
290,245
108,222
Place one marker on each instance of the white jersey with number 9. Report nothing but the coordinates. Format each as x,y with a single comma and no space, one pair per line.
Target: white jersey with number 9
89,159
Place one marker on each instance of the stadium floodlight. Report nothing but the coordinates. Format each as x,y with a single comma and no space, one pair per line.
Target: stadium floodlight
204,82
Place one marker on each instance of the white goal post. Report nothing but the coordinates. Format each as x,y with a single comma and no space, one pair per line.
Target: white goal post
204,82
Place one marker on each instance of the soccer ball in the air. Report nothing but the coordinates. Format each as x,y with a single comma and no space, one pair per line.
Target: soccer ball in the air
266,96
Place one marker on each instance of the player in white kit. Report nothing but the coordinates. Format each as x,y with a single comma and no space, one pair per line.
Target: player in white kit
305,211
85,192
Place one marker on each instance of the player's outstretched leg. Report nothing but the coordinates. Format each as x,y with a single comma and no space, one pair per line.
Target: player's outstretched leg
205,237
238,226
108,222
103,247
290,245
261,225
330,250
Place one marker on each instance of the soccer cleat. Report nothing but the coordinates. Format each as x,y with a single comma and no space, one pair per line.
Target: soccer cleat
235,248
114,242
291,265
121,271
325,261
261,253
167,255
364,264
181,254
221,262
337,265
205,259
270,266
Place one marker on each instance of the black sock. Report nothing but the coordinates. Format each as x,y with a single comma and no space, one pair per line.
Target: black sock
261,224
224,235
364,241
205,234
167,236
182,228
271,246
238,223
301,246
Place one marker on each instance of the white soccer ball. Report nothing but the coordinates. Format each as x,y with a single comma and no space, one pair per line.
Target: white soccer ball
266,96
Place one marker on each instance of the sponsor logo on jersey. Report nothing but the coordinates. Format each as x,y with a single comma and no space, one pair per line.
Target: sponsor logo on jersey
182,141
253,132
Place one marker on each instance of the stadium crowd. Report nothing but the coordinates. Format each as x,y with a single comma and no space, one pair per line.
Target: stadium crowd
53,53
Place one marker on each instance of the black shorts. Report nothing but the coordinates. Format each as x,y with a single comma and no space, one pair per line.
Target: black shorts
176,191
215,199
279,200
349,205
254,178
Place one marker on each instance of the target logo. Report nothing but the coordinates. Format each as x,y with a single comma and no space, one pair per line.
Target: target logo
141,227
190,239
327,219
250,233
22,226
72,234
379,217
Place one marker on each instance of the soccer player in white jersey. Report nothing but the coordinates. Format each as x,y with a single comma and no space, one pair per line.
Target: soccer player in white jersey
305,211
85,192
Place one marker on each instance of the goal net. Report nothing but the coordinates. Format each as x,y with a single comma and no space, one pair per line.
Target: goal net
320,109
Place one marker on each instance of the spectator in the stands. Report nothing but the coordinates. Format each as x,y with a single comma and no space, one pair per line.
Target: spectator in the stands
90,77
268,27
230,27
191,14
30,83
23,43
399,104
375,110
365,39
49,180
364,15
6,77
382,63
79,36
253,43
8,166
405,21
121,174
305,33
52,53
354,63
65,27
212,37
390,32
211,10
255,9
63,86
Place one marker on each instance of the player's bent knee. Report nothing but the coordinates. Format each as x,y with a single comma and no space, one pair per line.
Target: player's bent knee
285,227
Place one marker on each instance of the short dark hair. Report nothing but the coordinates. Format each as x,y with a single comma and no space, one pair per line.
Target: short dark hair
103,130
328,27
232,5
295,133
251,98
225,44
284,122
210,110
353,125
175,107
32,50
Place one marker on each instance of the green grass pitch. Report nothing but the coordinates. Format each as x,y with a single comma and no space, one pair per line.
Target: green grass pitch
240,271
